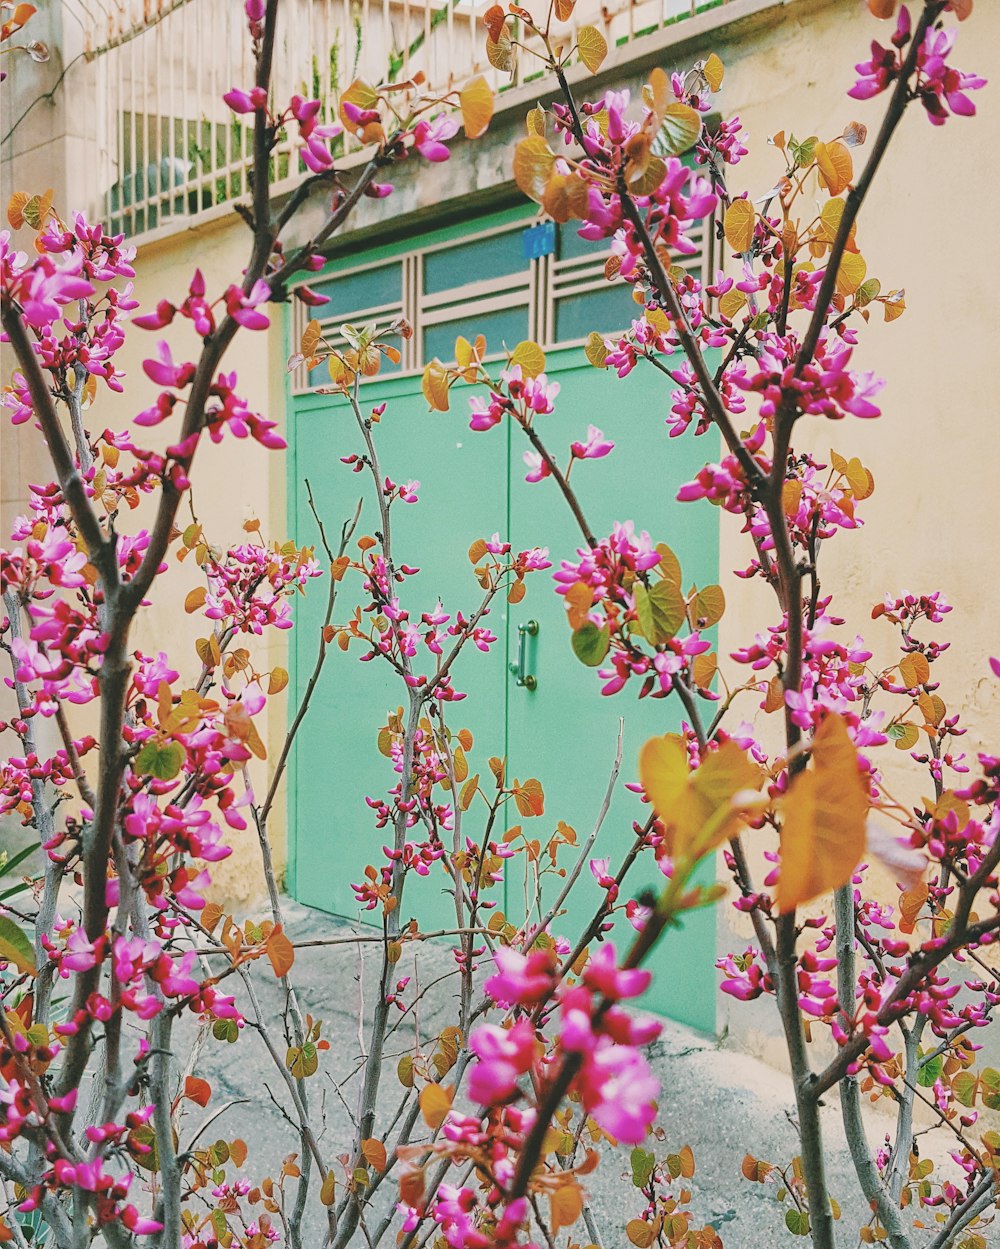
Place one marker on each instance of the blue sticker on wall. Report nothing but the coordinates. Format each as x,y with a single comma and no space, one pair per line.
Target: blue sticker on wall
539,240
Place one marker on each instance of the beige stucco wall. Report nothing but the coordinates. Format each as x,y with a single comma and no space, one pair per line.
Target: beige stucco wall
934,453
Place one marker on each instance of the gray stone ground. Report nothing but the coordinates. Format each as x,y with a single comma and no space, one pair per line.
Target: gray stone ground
720,1102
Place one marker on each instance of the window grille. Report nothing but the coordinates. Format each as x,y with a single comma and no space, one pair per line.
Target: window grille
556,298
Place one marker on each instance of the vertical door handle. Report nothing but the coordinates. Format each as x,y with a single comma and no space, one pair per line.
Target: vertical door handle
520,669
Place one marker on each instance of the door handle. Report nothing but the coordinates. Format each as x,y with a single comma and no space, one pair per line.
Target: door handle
519,670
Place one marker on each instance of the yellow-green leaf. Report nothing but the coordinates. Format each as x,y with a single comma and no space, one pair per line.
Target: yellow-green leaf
534,162
680,127
669,567
708,607
530,357
476,100
697,809
731,302
836,168
592,46
435,386
738,225
825,810
15,947
851,273
714,72
500,52
595,350
660,610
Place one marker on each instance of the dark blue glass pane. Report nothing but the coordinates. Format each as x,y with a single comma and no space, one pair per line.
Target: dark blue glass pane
371,288
571,245
604,310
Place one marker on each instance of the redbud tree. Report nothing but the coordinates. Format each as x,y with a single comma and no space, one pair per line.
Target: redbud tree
507,1110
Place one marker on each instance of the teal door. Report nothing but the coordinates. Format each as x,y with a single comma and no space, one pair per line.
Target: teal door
564,732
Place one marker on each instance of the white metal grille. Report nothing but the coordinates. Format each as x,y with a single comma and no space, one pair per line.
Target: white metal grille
167,149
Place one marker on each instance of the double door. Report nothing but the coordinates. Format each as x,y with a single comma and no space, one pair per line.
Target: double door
529,699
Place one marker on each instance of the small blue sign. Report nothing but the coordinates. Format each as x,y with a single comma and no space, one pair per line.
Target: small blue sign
539,240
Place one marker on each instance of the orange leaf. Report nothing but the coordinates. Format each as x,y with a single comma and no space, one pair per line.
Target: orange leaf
529,798
566,1204
476,99
195,599
280,951
197,1090
825,811
836,168
493,20
374,1153
210,916
435,1102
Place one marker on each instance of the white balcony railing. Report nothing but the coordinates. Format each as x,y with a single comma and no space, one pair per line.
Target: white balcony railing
165,149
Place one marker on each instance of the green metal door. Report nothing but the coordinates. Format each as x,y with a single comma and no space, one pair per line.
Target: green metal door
563,732
336,763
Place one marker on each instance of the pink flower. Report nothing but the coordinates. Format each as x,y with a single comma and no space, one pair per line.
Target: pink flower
619,1091
521,979
504,1054
429,138
594,448
246,101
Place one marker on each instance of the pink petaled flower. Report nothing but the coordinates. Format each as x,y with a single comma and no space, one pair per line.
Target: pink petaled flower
246,101
521,979
604,976
243,308
538,470
535,560
619,1091
487,414
138,1223
164,372
504,1054
594,448
429,138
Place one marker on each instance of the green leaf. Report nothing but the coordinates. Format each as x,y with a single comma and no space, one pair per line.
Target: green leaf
797,1222
680,128
15,947
660,611
302,1062
929,1072
964,1087
990,1080
162,760
226,1030
591,644
643,1164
